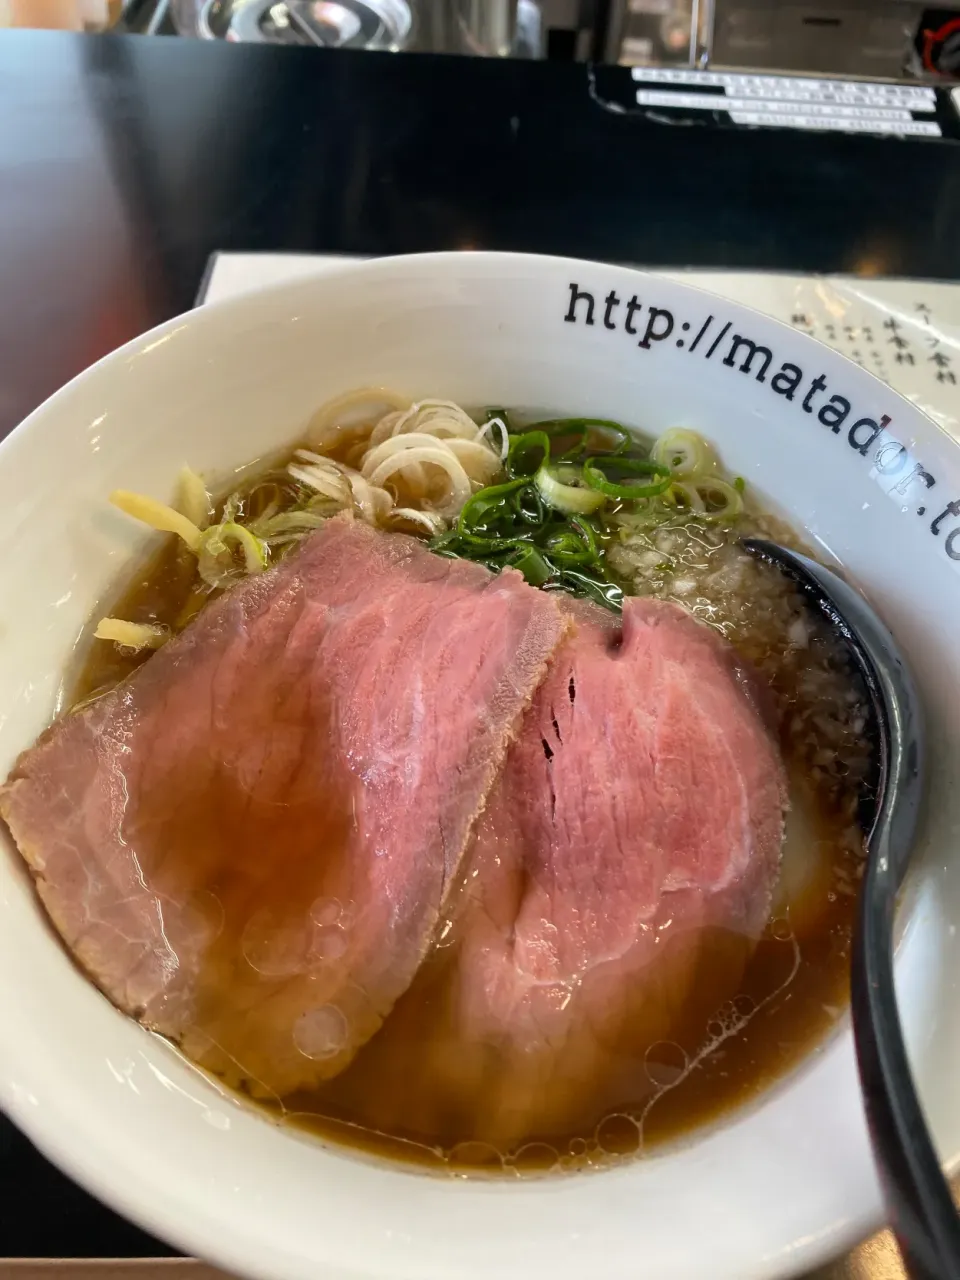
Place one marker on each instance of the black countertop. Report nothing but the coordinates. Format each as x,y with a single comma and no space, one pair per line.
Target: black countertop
125,162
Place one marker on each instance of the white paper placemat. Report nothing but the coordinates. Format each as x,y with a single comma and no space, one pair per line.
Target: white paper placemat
907,332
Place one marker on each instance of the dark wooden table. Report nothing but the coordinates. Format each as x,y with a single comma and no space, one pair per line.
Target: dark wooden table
125,162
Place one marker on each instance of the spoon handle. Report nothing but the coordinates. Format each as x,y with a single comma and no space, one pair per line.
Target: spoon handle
923,1217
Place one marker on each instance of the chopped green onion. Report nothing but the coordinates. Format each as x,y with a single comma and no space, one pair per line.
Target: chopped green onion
484,542
739,484
595,477
684,497
215,562
683,452
484,503
721,500
443,541
568,426
608,594
576,544
519,461
528,505
583,429
532,565
562,487
287,522
232,508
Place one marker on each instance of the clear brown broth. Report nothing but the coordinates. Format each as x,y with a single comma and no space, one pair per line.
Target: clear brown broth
751,1015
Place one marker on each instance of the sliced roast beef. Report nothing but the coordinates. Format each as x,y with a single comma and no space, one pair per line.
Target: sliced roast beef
639,812
247,843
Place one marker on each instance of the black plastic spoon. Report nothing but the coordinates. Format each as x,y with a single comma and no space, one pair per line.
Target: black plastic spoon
922,1213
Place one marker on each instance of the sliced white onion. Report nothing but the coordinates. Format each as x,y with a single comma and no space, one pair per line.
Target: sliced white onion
443,417
350,412
485,433
366,497
413,478
287,523
319,459
479,461
440,418
460,487
397,444
330,485
390,424
430,520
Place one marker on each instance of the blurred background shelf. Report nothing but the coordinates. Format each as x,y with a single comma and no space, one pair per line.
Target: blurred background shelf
891,39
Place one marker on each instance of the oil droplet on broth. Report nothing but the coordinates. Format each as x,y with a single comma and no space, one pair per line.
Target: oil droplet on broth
534,1157
321,1033
273,946
329,944
619,1135
326,912
744,1006
665,1063
476,1155
201,917
781,929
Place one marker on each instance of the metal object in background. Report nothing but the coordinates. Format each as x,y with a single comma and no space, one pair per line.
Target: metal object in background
493,28
841,37
485,27
659,32
879,38
353,24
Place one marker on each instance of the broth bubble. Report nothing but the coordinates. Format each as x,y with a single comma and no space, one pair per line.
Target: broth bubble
325,912
535,1157
665,1063
321,1033
275,946
619,1135
745,1006
329,944
781,929
476,1155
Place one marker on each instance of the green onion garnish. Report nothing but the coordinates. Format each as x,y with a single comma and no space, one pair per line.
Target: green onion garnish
597,479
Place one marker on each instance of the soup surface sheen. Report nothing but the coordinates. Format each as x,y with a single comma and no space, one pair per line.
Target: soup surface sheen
750,1016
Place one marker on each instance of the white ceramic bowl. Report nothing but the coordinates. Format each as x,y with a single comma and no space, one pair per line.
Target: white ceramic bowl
774,1190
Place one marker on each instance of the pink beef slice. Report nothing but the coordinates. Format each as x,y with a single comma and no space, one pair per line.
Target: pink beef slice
640,810
247,844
